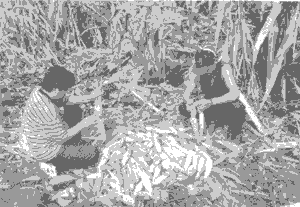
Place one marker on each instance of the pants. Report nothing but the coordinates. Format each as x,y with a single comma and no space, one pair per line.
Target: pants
76,153
232,115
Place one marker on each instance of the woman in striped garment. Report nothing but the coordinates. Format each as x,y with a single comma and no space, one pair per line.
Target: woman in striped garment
43,131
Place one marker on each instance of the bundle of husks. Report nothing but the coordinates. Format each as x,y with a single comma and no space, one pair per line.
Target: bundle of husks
145,164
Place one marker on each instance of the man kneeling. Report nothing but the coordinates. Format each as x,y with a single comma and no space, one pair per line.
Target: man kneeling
46,135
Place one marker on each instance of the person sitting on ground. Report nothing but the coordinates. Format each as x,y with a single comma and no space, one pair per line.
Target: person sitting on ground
43,131
215,92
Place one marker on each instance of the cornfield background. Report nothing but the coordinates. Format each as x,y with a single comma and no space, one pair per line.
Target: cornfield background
126,47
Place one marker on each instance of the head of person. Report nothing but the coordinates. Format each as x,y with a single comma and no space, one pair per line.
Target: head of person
57,81
205,58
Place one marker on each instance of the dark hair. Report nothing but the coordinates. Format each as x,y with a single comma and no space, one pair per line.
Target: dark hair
4,90
204,58
58,77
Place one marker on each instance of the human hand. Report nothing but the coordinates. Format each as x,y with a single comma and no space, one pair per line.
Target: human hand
90,120
203,104
97,92
190,106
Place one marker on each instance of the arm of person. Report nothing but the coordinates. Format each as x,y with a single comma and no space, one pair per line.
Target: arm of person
74,99
190,85
78,127
233,93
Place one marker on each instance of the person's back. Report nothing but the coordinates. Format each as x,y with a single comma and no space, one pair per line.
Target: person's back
42,128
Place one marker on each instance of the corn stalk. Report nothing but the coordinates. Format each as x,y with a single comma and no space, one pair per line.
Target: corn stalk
98,112
266,29
276,65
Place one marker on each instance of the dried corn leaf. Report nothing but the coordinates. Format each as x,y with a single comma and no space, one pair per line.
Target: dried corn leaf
188,161
126,157
159,179
171,16
128,200
195,161
276,9
63,202
209,167
277,63
227,174
191,170
138,188
157,145
164,156
50,170
142,163
174,152
200,167
104,199
32,178
60,179
129,178
145,178
137,24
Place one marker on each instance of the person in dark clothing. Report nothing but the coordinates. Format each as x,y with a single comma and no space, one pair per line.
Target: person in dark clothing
215,94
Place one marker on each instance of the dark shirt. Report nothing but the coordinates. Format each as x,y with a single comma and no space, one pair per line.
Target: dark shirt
211,83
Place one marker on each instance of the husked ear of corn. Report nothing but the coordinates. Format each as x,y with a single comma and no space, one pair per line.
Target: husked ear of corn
134,164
